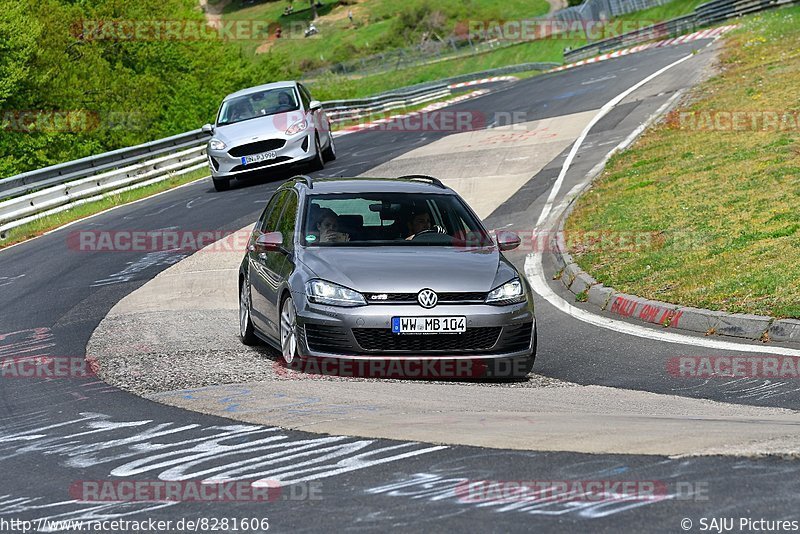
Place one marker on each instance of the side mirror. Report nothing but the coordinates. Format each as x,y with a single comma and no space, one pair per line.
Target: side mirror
507,240
208,128
269,242
314,105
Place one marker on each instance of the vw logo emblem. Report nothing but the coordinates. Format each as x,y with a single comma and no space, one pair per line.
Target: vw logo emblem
427,298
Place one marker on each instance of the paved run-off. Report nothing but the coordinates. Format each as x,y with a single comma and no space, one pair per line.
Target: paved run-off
175,341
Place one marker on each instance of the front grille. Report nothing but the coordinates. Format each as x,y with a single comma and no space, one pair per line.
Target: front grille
516,338
249,166
257,147
411,298
322,338
383,340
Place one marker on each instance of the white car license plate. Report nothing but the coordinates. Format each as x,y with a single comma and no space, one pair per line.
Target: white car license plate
256,158
429,325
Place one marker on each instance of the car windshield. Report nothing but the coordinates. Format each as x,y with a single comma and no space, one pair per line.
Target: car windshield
259,104
391,219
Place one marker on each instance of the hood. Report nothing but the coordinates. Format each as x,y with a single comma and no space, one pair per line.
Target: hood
407,269
268,127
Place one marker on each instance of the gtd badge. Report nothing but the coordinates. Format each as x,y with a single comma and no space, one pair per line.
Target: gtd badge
427,298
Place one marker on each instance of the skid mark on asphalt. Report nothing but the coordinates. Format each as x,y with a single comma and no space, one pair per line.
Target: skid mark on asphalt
152,259
692,481
172,451
744,388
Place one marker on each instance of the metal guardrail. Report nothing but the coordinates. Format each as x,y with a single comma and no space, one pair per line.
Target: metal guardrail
51,189
73,170
34,194
704,15
341,110
28,182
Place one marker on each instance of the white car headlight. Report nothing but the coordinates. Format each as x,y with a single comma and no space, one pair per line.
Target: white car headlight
216,144
321,292
297,127
509,293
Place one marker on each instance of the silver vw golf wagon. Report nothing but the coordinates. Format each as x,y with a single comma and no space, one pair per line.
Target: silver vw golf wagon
376,268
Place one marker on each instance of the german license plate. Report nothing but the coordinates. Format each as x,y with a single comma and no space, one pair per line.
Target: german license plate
429,325
257,158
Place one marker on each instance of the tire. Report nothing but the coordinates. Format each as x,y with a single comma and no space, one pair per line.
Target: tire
318,163
222,184
329,154
288,330
246,331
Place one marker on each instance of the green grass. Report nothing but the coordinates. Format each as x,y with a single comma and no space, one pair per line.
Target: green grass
379,25
50,222
340,87
716,211
676,8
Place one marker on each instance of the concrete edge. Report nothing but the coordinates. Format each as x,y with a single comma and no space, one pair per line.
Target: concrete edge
674,316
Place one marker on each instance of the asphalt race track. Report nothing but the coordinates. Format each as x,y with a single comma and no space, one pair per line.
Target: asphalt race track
58,432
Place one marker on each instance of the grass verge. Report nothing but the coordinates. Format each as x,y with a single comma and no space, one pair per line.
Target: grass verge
712,201
339,87
51,222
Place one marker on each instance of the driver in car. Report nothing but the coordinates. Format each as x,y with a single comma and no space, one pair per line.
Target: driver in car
285,101
327,227
418,222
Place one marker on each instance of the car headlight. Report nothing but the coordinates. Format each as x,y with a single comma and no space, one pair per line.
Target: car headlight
216,144
321,292
509,293
297,127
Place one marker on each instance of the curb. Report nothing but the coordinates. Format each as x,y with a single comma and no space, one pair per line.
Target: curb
672,316
712,33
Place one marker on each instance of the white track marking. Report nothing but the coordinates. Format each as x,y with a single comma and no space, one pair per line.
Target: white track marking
602,113
535,272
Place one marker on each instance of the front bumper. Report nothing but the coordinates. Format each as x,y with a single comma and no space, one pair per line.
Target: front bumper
298,149
364,332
